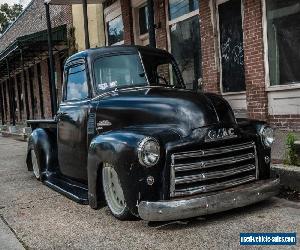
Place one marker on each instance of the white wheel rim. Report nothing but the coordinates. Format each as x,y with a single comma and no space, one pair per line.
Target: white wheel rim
35,166
113,190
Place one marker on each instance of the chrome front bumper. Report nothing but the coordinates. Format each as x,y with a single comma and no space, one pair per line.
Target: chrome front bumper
212,203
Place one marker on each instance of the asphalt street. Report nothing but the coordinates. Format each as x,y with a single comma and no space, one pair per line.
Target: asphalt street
32,216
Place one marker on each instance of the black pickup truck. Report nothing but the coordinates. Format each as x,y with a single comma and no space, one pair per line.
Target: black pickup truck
130,134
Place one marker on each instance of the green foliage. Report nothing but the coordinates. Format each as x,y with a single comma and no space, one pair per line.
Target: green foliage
291,157
8,14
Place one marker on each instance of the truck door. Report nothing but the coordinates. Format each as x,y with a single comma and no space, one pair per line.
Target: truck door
72,123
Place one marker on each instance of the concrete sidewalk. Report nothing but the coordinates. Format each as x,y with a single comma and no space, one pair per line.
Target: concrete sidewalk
8,240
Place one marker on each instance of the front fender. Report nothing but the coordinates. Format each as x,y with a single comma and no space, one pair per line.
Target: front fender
45,149
118,149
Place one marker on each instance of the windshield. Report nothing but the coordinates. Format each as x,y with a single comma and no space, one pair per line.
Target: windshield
119,71
162,70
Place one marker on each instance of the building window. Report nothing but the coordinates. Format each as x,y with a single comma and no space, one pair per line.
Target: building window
140,22
283,32
231,46
114,27
143,20
115,31
179,8
184,30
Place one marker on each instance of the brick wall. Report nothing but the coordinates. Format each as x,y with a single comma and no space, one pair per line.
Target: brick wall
257,101
160,21
33,20
285,122
127,21
209,50
46,89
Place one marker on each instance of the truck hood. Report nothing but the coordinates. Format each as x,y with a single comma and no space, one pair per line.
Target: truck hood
183,110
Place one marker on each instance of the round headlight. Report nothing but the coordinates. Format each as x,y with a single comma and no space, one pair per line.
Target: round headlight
267,136
148,152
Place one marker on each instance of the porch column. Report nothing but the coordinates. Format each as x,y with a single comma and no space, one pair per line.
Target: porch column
51,62
127,21
11,96
24,88
2,88
86,24
1,104
7,97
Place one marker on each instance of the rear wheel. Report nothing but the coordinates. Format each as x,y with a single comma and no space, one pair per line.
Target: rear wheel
113,192
35,165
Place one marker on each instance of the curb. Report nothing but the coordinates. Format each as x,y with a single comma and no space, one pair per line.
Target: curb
16,136
289,175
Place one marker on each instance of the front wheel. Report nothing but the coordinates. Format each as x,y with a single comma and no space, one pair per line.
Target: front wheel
113,192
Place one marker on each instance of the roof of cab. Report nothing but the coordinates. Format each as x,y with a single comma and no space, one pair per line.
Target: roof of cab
95,52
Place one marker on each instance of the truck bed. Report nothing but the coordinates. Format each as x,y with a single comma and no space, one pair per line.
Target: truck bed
49,124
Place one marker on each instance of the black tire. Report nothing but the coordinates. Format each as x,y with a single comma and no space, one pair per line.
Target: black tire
36,168
113,193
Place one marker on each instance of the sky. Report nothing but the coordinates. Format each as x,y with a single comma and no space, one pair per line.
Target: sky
23,2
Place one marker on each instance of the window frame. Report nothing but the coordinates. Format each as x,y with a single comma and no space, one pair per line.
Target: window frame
138,38
169,23
110,13
268,85
180,18
69,65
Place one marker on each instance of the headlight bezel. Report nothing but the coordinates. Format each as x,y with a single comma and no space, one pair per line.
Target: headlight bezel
267,140
142,154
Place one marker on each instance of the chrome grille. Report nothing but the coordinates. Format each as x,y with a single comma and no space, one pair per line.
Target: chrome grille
207,170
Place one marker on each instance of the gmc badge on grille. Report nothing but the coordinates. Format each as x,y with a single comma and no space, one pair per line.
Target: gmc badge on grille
220,134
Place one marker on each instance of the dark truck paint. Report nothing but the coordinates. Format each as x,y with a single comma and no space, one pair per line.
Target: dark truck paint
209,161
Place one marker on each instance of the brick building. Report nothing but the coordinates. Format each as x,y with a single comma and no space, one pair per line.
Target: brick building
24,68
246,50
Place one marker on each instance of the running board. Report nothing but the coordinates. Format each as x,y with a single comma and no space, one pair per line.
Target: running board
72,191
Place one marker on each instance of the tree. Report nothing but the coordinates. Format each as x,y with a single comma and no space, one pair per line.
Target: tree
8,14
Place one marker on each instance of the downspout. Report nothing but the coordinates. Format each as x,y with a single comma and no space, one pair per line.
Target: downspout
86,24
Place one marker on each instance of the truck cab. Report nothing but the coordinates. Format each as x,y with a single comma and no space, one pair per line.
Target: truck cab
129,133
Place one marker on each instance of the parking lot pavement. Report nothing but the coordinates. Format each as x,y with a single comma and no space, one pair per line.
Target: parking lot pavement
43,219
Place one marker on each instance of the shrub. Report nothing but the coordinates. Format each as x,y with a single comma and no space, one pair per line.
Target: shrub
291,157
